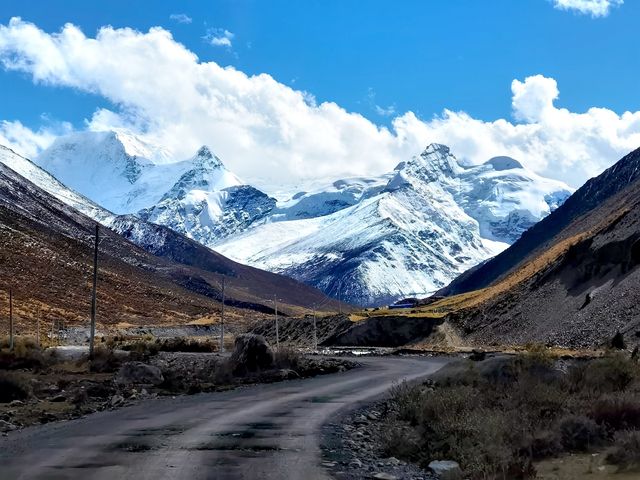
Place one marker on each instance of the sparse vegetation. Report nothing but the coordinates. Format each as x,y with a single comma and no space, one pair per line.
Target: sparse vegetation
13,386
496,417
625,452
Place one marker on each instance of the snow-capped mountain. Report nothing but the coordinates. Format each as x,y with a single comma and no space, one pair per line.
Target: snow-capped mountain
368,240
198,197
407,233
208,202
51,185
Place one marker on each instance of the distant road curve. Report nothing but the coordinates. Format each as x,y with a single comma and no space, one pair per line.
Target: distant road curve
259,432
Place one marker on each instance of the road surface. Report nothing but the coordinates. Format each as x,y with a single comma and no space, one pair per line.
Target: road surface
259,432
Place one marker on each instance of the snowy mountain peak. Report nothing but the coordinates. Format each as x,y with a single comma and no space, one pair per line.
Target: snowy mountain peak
503,163
436,148
205,158
434,164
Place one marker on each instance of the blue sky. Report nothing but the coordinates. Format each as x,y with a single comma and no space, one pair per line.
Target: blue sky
377,58
416,55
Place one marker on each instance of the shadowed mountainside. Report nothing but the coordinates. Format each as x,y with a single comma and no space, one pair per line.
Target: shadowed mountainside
46,257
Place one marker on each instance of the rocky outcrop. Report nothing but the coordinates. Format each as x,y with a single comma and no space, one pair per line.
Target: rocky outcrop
251,353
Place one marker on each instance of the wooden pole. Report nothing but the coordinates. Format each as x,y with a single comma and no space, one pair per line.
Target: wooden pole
315,331
275,303
222,319
11,327
94,292
38,327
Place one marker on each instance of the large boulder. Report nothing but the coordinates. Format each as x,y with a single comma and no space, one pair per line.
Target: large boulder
446,469
138,373
251,353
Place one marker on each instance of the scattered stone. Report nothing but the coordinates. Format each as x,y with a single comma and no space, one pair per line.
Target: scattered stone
384,476
356,463
58,399
446,469
16,403
116,400
139,373
7,427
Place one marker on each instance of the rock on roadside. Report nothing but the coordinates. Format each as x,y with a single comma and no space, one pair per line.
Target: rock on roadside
138,373
251,353
446,469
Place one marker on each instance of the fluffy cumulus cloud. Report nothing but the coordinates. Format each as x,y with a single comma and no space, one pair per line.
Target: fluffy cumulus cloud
266,130
595,8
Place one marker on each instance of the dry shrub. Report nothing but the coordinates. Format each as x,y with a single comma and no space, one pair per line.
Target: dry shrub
617,412
401,441
612,373
25,354
580,433
286,357
406,401
104,360
625,452
497,415
13,386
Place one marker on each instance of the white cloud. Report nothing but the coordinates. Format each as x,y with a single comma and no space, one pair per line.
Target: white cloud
266,130
26,142
181,17
595,8
219,37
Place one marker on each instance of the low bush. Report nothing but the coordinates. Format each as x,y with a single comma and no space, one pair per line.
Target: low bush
286,357
617,412
625,452
401,441
25,354
104,360
13,386
612,373
579,433
406,401
497,416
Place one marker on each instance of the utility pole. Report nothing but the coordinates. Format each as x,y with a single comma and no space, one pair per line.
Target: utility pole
275,303
11,320
222,319
94,292
315,331
38,327
339,296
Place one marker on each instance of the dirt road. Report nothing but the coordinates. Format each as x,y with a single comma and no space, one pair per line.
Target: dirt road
260,432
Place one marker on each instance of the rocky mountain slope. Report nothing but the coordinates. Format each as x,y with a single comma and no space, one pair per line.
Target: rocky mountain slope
170,277
365,240
572,280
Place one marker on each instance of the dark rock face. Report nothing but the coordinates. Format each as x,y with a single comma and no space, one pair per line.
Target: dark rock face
591,195
384,332
138,373
251,353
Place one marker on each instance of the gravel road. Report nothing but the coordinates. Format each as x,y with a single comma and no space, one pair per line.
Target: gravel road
259,432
